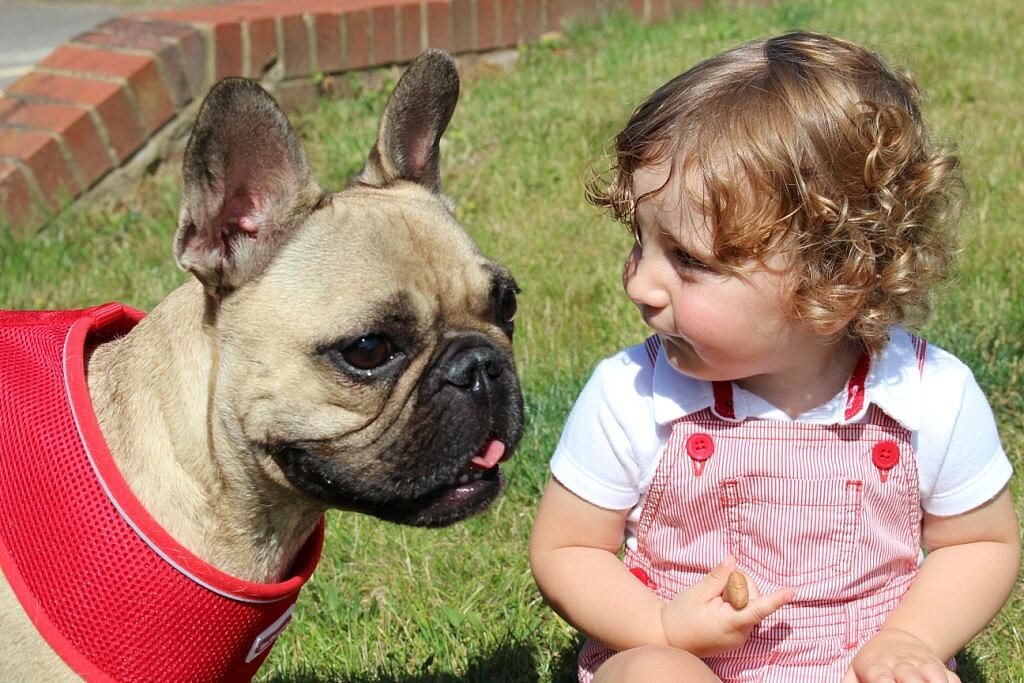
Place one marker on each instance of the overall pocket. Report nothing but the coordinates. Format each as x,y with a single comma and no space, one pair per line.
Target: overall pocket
792,532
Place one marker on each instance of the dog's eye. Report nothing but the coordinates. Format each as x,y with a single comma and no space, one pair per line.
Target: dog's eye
508,306
369,352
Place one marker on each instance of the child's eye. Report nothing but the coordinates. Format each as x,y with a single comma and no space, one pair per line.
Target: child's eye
688,261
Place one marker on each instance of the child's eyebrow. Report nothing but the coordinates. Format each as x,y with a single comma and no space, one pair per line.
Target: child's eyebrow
683,233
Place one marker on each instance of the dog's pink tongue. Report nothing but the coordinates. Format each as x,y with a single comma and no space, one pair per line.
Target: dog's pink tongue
491,455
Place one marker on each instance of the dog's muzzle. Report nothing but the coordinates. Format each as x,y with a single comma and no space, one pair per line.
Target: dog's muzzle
442,465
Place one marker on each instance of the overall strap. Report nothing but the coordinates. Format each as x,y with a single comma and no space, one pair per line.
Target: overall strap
855,387
921,349
653,345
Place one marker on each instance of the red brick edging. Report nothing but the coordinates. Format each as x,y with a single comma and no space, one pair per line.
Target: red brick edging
93,103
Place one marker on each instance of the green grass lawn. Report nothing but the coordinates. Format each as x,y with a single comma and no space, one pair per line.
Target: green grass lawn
397,604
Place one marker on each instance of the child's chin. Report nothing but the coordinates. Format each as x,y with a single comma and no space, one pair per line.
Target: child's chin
680,356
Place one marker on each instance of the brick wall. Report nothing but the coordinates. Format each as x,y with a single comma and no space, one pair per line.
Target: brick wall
93,104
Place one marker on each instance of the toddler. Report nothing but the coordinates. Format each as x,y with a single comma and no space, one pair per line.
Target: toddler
790,217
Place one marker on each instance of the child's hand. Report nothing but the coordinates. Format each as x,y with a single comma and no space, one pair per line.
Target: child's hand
699,621
893,656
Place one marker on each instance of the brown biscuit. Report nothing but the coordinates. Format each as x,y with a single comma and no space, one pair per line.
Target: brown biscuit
735,592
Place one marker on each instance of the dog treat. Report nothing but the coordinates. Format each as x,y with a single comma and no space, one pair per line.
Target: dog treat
735,592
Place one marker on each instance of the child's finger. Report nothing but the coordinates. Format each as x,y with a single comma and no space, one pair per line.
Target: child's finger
762,606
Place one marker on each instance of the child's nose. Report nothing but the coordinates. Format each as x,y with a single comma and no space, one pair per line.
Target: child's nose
641,281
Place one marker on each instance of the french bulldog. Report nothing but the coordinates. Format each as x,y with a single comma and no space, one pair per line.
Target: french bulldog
347,350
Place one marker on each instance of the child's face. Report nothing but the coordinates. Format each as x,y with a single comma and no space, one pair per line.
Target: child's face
714,325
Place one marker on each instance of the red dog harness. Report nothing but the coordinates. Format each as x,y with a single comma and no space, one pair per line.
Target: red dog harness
106,586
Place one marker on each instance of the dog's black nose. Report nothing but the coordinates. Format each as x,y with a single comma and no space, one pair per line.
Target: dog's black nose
471,363
472,368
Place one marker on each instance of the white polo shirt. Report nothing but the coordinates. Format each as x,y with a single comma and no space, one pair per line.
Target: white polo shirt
616,433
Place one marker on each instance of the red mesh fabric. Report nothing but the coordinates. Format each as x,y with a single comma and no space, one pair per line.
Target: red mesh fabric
109,605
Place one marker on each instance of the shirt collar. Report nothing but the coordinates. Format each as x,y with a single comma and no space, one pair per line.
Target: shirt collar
893,383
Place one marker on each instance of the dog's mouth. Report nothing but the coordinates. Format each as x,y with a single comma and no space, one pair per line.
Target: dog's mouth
483,465
469,491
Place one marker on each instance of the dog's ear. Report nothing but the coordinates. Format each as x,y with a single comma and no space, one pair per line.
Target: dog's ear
414,119
246,185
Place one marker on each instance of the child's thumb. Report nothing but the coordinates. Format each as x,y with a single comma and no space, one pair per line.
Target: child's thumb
714,582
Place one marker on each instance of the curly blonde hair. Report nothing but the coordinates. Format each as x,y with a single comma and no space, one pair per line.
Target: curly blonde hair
810,145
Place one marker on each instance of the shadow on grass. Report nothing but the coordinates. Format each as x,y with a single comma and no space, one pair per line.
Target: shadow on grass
968,669
513,663
517,664
563,665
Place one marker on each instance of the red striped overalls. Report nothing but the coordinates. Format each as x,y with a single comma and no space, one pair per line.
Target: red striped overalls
832,510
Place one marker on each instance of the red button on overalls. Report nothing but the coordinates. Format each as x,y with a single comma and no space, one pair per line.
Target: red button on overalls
699,447
885,455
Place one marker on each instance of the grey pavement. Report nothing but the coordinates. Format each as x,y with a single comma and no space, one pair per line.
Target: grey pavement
31,30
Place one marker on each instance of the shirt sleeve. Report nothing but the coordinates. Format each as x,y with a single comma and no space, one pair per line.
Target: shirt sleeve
972,466
596,456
